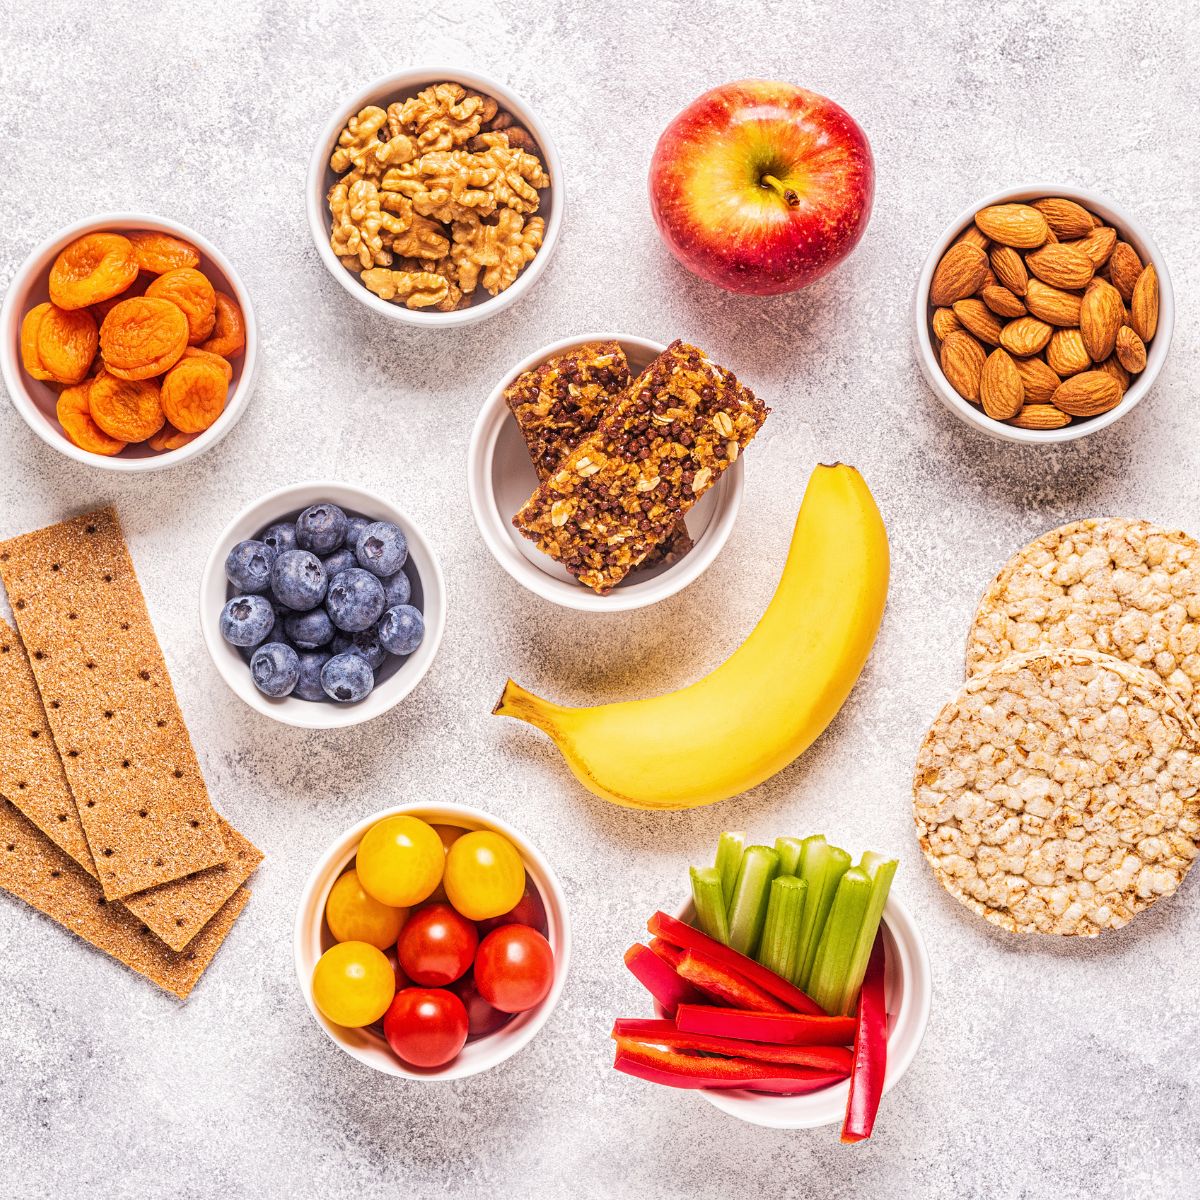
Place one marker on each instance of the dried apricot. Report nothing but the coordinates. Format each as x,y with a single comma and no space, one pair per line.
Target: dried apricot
66,343
75,416
29,353
128,409
160,252
207,356
92,268
169,438
138,287
142,337
229,334
191,292
193,394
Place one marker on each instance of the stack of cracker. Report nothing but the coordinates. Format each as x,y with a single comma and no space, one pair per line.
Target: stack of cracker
105,821
1059,792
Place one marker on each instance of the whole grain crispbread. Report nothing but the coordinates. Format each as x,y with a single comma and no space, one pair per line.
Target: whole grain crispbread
1059,793
1121,587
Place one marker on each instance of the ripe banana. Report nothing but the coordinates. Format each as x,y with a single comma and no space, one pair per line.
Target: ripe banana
771,699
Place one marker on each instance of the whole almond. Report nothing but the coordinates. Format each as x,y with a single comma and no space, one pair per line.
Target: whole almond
1088,395
1000,387
960,274
1061,266
973,236
1016,225
1112,366
1065,217
1010,269
1143,307
1098,245
1052,305
1124,267
1100,316
1039,381
1025,336
1040,416
944,323
1131,350
1002,302
978,319
962,364
1066,353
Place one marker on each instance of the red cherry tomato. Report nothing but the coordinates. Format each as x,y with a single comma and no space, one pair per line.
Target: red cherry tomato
482,1018
436,945
426,1027
514,968
529,910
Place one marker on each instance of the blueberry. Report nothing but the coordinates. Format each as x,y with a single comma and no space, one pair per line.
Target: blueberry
355,600
366,645
321,528
381,548
298,580
307,631
275,669
248,566
401,629
247,620
280,537
308,685
347,677
354,526
397,589
340,560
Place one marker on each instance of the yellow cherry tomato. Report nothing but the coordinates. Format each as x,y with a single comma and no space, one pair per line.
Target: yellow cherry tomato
353,984
400,861
485,876
354,916
449,835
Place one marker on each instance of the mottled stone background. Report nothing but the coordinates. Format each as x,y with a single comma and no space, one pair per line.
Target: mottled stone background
1048,1070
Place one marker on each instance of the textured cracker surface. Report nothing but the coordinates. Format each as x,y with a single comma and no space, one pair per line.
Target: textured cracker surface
1053,1068
1117,586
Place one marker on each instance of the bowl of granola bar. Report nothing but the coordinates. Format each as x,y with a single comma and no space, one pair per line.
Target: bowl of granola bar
605,471
435,197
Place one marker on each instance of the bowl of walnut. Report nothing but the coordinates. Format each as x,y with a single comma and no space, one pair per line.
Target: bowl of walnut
435,197
1043,314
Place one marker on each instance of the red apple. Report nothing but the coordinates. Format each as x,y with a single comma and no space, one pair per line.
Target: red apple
762,187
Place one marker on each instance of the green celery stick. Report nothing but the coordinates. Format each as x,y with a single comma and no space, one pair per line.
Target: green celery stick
781,931
822,865
827,981
748,906
881,871
709,900
788,849
729,861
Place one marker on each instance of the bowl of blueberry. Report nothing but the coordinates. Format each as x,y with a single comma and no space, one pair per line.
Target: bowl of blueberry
322,605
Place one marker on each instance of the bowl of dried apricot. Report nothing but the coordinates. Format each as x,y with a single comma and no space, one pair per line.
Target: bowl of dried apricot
435,197
128,343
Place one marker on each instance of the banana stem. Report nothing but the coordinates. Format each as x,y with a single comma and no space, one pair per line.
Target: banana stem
521,704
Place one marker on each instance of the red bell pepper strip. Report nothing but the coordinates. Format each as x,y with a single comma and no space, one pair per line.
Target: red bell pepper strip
667,952
870,1049
725,985
659,978
664,1033
674,1068
779,1029
686,938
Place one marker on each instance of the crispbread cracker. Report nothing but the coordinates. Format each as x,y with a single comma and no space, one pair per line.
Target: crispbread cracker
1060,793
1116,586
31,776
35,870
134,774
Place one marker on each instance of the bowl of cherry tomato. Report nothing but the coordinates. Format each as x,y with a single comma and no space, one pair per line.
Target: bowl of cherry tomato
432,941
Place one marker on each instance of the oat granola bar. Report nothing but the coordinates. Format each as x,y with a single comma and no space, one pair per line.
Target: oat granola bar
660,447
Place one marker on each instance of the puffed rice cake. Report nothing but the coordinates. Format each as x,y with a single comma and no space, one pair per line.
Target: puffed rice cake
1059,793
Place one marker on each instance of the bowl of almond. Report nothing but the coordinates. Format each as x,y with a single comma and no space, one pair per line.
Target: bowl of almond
1043,314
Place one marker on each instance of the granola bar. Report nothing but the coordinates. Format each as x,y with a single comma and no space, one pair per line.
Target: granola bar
658,449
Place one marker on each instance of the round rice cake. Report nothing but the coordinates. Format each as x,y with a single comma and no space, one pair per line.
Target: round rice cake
1059,793
1120,587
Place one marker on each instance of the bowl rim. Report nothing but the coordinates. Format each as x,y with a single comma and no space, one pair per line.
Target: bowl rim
14,373
315,195
332,863
304,714
493,525
1128,229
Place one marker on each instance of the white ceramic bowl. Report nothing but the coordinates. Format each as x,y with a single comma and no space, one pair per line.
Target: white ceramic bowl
1129,230
500,478
321,177
395,679
909,986
311,938
35,401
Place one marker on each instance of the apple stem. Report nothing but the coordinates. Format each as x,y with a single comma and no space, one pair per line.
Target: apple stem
789,195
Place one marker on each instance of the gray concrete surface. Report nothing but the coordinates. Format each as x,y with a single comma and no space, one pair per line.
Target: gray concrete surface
1048,1070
